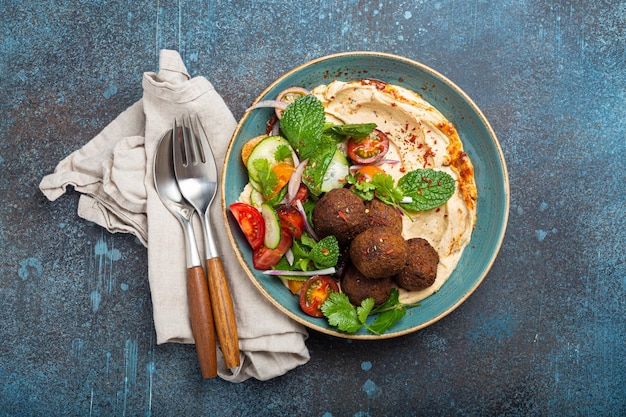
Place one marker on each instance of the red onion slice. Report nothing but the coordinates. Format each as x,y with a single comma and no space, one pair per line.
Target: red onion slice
293,90
289,256
283,94
376,164
276,104
325,271
307,225
295,180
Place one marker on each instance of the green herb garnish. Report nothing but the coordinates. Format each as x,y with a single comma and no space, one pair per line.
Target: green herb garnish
310,255
305,127
427,188
267,179
359,130
303,124
347,318
419,190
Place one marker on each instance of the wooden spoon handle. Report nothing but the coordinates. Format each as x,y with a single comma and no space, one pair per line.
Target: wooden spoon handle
223,312
202,324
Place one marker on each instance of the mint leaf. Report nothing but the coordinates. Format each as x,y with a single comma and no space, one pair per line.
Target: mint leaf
340,313
353,130
428,188
319,160
325,253
303,123
310,255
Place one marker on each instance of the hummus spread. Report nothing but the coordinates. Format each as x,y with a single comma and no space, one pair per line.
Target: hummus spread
420,137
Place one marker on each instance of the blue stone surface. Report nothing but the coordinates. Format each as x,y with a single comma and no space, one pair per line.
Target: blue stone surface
545,332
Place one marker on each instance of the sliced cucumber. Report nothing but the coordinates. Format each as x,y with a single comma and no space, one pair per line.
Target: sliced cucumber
272,226
267,150
255,185
256,198
337,170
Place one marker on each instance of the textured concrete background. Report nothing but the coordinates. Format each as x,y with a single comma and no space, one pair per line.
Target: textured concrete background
543,335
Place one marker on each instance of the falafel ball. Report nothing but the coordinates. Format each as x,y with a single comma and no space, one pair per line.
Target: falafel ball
421,266
381,214
358,288
379,252
339,212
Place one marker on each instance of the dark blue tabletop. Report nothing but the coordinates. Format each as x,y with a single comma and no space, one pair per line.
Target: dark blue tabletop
543,335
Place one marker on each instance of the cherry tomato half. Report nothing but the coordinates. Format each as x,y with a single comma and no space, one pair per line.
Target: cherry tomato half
369,149
264,258
314,292
291,220
250,222
302,194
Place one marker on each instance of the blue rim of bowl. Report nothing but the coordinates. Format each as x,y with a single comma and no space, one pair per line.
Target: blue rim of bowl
497,235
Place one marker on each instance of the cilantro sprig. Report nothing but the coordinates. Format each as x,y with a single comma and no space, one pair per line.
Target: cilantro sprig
347,318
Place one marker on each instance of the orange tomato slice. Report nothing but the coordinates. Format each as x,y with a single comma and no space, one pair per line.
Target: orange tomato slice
370,170
283,172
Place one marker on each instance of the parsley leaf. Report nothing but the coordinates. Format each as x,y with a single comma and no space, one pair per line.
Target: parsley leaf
282,152
267,179
427,188
390,312
386,320
361,187
340,313
365,309
386,190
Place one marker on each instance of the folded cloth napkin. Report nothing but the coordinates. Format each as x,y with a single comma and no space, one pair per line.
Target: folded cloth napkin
113,173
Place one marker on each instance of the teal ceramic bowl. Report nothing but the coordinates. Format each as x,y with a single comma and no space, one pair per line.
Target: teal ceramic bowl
479,142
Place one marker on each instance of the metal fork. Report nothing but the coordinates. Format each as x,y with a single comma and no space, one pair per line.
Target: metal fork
196,173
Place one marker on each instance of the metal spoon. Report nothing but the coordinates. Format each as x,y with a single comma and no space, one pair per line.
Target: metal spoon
200,311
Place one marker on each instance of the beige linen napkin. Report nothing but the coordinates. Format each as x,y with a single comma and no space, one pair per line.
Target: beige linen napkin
113,173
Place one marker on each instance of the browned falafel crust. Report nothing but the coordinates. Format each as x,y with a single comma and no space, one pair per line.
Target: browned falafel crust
420,271
339,212
379,252
357,287
381,214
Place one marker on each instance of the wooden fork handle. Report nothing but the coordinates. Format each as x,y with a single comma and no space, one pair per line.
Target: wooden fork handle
223,312
202,324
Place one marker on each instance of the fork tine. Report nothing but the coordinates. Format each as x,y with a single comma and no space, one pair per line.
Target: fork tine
177,145
197,140
188,146
204,139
